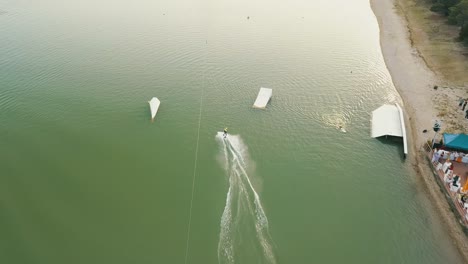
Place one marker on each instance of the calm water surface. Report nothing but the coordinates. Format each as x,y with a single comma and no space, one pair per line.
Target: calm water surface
85,177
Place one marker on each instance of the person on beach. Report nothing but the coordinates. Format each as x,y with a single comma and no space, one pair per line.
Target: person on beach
464,105
441,153
448,178
446,166
435,156
463,199
455,180
461,102
466,114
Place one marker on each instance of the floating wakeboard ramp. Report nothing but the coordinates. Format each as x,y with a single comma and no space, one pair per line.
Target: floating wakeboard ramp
263,98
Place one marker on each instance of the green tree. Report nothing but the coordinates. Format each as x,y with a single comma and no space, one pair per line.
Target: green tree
443,6
459,13
464,34
459,16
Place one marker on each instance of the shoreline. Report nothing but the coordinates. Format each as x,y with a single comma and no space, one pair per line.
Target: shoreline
414,81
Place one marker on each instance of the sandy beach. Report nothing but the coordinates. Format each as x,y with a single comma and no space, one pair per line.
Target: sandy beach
415,82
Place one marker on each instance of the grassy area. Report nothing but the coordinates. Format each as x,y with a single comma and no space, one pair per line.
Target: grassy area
436,42
448,111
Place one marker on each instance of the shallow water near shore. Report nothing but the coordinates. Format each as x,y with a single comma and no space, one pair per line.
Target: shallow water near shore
87,178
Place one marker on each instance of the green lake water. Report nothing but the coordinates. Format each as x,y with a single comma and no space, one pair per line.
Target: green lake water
85,177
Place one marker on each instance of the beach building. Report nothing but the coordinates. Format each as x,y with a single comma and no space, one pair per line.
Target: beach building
450,166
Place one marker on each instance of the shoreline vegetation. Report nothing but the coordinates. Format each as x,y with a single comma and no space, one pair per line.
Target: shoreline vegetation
437,41
429,68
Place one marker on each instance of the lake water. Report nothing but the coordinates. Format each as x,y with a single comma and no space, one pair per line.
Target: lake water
85,177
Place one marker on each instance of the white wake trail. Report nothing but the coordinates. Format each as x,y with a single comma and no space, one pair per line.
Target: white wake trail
243,210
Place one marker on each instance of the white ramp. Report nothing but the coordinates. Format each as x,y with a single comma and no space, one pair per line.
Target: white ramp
403,129
388,120
154,106
263,97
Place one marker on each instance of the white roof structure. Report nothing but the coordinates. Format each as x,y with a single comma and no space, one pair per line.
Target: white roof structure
388,120
154,106
263,97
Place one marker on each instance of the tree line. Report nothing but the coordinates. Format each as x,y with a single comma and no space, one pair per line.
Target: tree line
456,12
